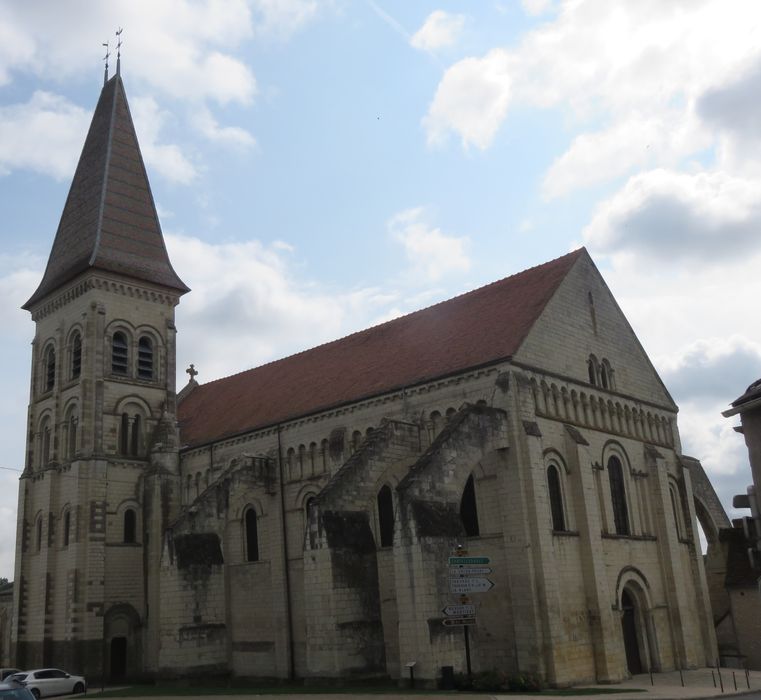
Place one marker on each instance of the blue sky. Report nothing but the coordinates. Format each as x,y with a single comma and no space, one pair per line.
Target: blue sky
320,166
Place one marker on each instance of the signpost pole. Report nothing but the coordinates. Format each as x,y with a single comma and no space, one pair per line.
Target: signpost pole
467,651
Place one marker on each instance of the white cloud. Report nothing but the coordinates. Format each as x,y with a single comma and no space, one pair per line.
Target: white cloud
706,217
431,254
471,101
180,48
246,300
166,159
44,134
440,30
205,123
281,18
536,7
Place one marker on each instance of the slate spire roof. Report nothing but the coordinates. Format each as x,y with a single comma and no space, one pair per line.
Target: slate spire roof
109,221
476,329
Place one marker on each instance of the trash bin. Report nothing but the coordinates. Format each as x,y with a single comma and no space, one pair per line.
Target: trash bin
447,677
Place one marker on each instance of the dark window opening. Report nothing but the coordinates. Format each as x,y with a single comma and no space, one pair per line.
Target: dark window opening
556,498
76,356
119,353
592,314
50,369
592,375
618,496
469,509
675,510
134,447
66,527
252,536
145,358
118,658
604,377
72,440
39,534
130,526
124,434
45,446
386,517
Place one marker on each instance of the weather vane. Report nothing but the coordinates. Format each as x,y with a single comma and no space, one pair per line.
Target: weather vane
105,58
118,49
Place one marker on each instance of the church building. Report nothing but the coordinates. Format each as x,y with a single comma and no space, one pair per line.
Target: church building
504,465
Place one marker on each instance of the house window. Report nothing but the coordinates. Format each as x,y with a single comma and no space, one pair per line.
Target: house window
130,525
145,358
76,356
592,367
124,434
556,498
618,496
252,536
119,353
39,533
50,368
469,509
386,516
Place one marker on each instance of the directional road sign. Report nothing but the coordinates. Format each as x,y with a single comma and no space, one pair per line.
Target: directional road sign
469,570
458,621
459,610
470,584
468,561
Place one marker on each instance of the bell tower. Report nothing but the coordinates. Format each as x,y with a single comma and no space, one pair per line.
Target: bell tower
102,450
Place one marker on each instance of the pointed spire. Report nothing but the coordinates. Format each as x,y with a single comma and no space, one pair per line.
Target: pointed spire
109,221
119,51
105,59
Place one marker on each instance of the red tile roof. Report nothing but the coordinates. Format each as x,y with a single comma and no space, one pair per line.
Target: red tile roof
109,221
475,329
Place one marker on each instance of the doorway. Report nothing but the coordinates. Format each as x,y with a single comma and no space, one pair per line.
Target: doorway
118,658
629,630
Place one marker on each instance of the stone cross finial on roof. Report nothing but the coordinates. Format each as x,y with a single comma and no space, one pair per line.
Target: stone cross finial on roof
192,372
105,59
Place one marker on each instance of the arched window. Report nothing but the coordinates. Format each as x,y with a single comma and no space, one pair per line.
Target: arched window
252,536
607,375
386,516
119,353
66,527
604,376
134,445
324,449
198,484
76,356
356,440
556,498
469,509
145,358
71,435
49,368
618,496
592,314
45,443
675,509
130,526
189,487
124,435
592,370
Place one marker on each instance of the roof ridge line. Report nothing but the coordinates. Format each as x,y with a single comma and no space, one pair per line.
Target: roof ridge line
576,252
107,162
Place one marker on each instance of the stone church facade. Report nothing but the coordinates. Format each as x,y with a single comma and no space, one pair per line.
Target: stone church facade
296,520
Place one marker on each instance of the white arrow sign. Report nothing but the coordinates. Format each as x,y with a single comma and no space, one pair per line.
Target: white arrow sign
469,570
470,585
460,610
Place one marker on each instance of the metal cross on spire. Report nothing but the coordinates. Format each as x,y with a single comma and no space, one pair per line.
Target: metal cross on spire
105,58
118,50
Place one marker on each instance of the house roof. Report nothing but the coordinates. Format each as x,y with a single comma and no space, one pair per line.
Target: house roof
109,221
475,329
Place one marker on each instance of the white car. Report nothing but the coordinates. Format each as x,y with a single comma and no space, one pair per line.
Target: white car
49,681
